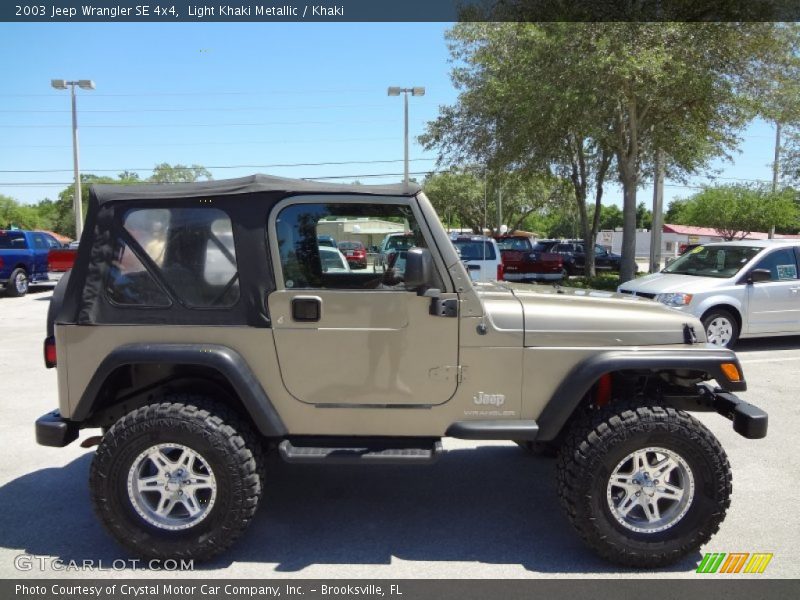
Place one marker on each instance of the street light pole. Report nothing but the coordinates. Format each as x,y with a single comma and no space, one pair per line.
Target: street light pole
77,205
415,91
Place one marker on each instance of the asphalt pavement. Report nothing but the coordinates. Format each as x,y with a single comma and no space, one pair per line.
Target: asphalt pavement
485,510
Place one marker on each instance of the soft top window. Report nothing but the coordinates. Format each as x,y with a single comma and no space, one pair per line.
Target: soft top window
191,253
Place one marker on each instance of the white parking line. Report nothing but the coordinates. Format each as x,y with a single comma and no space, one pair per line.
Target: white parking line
768,360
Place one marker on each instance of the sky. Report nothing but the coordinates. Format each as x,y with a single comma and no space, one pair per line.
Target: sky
240,99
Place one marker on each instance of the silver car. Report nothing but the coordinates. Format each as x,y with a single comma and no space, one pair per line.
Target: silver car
747,288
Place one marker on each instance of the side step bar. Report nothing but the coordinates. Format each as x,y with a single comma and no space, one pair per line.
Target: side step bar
353,451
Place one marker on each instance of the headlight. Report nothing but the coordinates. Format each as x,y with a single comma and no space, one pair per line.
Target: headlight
674,299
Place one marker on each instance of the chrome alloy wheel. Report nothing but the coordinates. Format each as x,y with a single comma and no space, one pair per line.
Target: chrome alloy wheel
650,490
171,486
719,331
21,283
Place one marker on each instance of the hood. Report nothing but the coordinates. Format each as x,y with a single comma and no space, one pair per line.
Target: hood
659,283
578,318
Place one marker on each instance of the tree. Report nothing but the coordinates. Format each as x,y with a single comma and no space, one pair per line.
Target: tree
14,214
572,97
675,212
738,210
505,120
166,173
466,198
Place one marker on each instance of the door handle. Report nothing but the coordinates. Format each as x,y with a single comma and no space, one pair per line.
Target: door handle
306,309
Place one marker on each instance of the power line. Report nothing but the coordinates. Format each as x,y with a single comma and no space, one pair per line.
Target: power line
195,109
178,125
200,142
277,165
201,93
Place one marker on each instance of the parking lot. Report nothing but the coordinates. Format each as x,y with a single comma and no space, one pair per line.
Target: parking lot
485,510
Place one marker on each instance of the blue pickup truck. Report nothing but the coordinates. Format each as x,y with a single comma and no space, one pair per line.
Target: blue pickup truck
24,259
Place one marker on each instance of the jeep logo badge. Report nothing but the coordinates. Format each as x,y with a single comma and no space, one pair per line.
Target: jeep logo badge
493,399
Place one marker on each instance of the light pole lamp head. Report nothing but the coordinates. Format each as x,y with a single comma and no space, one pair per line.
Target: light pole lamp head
418,91
86,84
59,84
394,91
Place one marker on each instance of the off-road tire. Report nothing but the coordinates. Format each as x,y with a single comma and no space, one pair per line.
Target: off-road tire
11,286
720,313
216,433
595,445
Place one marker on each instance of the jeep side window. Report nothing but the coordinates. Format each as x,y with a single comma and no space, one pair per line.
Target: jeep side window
308,264
191,250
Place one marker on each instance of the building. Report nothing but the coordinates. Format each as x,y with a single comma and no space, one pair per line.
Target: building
674,239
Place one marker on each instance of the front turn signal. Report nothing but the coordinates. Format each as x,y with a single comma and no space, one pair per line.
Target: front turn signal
731,371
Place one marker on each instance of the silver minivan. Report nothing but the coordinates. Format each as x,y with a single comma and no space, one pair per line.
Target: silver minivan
747,288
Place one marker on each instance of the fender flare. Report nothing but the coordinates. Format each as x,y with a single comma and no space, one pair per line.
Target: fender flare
584,375
228,362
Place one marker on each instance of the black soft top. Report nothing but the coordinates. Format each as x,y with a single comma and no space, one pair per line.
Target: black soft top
246,200
103,193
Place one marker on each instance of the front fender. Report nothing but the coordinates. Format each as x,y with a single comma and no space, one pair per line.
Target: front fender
718,300
586,373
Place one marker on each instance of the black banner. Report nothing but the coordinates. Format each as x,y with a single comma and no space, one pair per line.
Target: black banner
401,10
401,589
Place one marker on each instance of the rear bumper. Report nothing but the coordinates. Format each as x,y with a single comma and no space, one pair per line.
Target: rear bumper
53,430
748,421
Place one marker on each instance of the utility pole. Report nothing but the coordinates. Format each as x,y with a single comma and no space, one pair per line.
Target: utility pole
776,168
499,209
658,204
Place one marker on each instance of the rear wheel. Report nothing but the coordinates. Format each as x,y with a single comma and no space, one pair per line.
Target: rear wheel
17,283
722,328
643,485
177,479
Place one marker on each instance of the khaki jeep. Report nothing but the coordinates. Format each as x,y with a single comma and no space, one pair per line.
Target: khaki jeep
202,328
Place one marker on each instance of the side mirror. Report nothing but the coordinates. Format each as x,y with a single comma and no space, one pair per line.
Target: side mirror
757,275
419,269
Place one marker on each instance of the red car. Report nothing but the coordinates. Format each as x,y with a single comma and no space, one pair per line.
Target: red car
355,253
527,261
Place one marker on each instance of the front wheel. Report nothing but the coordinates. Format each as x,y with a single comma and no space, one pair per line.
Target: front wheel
177,479
643,485
722,328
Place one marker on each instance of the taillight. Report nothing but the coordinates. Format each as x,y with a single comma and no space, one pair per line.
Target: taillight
50,352
500,271
1,262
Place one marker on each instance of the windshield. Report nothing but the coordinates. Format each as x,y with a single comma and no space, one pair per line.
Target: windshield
713,261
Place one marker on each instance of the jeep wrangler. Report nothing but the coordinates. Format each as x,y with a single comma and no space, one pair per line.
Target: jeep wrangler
202,328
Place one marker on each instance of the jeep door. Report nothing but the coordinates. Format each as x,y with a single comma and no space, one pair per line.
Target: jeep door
355,337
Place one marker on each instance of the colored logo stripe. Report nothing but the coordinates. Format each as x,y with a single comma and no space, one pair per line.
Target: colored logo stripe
736,562
758,563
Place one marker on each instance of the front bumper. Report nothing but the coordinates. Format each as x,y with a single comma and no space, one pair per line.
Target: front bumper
53,430
748,421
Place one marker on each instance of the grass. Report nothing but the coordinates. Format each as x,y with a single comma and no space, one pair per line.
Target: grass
604,281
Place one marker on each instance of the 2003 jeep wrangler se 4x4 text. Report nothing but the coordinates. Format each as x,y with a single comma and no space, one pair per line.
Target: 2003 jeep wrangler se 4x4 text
202,327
